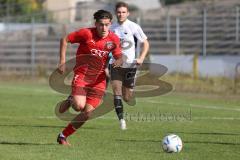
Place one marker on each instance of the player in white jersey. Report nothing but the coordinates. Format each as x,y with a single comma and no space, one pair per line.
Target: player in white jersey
122,79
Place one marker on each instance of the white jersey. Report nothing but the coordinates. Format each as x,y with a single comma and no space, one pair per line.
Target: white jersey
126,32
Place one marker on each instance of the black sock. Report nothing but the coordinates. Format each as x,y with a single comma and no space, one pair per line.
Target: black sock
118,106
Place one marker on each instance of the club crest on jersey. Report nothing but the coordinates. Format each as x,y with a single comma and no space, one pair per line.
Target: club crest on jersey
109,45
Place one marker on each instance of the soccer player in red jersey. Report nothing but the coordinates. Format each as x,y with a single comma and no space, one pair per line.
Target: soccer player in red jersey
89,81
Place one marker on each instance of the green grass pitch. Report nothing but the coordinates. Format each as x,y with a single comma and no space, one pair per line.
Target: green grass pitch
208,125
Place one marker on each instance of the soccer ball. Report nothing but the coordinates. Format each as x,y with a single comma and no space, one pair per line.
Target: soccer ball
172,143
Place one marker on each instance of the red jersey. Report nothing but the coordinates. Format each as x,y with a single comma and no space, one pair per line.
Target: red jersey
93,51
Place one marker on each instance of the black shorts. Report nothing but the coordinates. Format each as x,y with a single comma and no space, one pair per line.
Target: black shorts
126,75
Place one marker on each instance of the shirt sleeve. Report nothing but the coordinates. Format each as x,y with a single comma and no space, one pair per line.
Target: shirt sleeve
77,36
117,51
139,34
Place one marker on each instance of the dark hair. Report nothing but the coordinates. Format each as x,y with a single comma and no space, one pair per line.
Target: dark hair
102,14
121,4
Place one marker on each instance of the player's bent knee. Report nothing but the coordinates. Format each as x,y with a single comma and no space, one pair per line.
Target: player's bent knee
78,107
126,98
117,91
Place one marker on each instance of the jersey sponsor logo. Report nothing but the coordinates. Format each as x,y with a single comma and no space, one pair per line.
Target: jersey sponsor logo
100,53
110,45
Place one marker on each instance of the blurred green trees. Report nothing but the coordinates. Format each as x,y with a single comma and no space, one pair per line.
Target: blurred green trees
20,10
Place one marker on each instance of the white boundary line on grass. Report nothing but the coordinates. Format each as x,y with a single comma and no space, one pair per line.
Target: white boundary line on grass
114,118
150,101
215,118
194,105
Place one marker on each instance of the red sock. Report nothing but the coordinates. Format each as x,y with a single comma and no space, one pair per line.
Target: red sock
68,130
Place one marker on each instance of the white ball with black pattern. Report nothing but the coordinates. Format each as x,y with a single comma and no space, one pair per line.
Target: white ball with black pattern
172,143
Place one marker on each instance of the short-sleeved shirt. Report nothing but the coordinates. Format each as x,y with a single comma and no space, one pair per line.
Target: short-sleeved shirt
128,32
93,51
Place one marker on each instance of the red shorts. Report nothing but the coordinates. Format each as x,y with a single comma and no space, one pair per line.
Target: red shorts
94,92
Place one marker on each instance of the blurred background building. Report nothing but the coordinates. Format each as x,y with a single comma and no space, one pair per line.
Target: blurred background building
77,10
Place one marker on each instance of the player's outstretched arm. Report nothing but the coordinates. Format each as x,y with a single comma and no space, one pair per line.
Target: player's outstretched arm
62,60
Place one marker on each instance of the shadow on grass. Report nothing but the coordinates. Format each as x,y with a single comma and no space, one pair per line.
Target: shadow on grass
31,126
210,133
25,143
134,140
156,142
40,126
185,142
207,142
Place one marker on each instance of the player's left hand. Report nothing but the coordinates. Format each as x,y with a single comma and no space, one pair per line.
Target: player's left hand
118,63
61,68
139,61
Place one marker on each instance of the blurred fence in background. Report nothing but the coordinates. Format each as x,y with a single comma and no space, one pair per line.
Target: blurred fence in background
208,32
33,48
